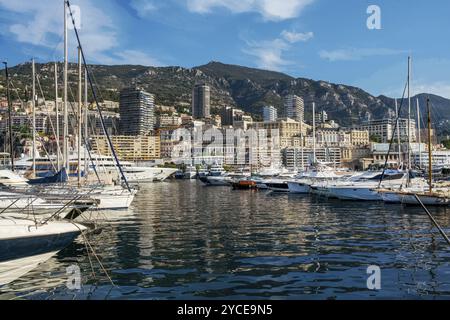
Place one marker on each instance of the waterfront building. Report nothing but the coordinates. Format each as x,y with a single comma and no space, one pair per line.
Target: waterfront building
383,129
136,112
270,114
359,137
201,101
294,107
25,120
332,138
286,129
441,158
129,148
169,139
292,157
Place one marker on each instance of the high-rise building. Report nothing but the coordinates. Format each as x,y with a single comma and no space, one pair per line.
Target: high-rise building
294,107
270,114
137,112
201,101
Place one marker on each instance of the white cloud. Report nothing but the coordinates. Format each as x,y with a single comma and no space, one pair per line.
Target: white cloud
132,57
40,23
269,54
438,88
354,54
143,7
273,10
294,37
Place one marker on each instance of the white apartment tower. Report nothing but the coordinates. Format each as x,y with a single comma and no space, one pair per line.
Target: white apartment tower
270,114
294,107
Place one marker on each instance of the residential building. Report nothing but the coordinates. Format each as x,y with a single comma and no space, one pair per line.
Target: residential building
383,129
332,138
294,108
244,123
136,112
359,137
270,114
292,157
166,120
129,148
285,128
321,117
201,101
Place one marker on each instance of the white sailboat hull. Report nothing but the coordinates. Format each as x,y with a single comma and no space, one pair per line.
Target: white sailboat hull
23,244
427,200
391,197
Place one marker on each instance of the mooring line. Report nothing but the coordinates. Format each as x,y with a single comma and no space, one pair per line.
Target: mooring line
441,231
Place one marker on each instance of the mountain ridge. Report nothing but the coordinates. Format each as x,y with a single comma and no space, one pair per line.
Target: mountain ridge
233,85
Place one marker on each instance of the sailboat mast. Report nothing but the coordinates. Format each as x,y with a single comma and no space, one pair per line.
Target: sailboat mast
86,119
430,153
33,67
419,133
66,116
58,163
398,135
314,131
409,114
302,144
10,127
80,117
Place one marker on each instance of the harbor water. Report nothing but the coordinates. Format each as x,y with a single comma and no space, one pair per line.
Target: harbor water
181,240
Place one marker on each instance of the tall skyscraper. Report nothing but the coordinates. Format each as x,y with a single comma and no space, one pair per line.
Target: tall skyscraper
201,101
270,114
294,107
137,112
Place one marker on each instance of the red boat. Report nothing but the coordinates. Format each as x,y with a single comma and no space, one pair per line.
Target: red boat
244,185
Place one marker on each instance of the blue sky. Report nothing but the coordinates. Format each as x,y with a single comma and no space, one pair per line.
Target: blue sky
318,39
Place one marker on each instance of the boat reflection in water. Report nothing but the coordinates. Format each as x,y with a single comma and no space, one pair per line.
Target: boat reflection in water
181,240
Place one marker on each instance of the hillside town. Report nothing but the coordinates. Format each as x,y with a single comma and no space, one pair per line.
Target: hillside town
144,132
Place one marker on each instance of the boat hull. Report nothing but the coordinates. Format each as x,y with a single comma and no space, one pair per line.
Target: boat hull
299,187
216,181
427,200
281,187
22,243
355,194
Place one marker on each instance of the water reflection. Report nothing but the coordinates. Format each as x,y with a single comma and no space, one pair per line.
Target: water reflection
184,241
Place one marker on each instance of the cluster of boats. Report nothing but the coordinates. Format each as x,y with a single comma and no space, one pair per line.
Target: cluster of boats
38,220
390,186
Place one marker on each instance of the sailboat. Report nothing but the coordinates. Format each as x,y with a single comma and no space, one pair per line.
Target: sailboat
115,197
24,244
432,197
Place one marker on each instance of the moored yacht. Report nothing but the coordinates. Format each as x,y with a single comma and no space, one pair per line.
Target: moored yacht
24,244
365,187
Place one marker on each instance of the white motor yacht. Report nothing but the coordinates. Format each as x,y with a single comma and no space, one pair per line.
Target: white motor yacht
312,182
134,173
365,187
